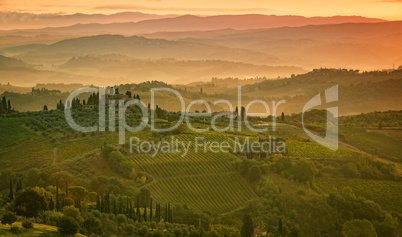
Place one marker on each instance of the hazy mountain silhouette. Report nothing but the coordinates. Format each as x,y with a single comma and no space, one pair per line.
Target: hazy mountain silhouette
12,63
351,45
191,22
16,20
140,47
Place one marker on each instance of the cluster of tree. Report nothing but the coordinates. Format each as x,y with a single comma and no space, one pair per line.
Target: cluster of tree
368,169
44,91
76,103
60,105
242,113
128,93
49,206
93,99
5,106
161,113
137,210
373,119
339,214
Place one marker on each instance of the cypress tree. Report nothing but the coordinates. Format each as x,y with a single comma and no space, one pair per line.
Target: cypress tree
108,210
150,209
57,196
51,204
79,204
18,187
114,207
11,190
131,209
145,211
101,204
138,208
170,216
66,189
280,228
127,207
9,107
120,208
97,202
247,228
166,213
4,104
159,212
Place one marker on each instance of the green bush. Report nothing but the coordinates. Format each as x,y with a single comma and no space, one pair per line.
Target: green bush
68,226
27,224
14,228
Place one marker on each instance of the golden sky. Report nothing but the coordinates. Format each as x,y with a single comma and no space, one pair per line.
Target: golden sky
385,9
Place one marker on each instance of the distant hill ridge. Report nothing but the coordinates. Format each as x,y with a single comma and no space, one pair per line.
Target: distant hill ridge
191,22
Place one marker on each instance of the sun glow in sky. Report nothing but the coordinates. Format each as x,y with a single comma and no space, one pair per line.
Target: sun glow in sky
384,9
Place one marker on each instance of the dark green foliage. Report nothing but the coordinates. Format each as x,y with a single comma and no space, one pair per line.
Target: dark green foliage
303,171
93,225
358,228
11,195
98,204
60,105
280,226
114,206
19,186
51,204
144,231
58,207
150,210
387,228
4,104
27,224
138,208
352,207
145,211
117,161
29,203
68,226
254,174
247,228
8,218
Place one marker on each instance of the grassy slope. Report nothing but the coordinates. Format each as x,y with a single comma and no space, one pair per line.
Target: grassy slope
38,230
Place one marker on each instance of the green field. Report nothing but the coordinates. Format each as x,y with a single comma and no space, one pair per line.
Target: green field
203,181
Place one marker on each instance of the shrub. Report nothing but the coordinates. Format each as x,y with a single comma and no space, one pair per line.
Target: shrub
51,217
301,192
27,224
14,228
68,226
9,218
144,231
